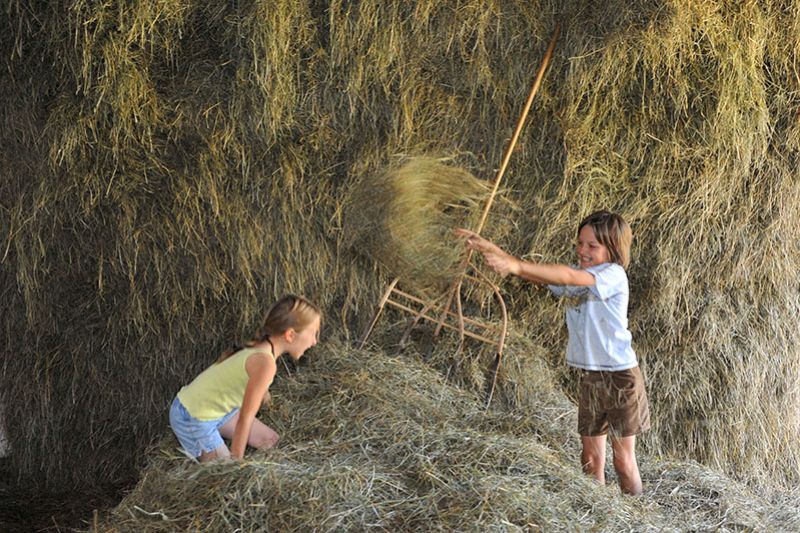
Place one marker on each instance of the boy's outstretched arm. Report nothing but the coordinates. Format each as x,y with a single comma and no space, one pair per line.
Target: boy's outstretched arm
504,263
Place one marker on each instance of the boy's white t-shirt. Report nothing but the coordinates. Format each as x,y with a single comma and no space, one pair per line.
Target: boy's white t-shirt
598,321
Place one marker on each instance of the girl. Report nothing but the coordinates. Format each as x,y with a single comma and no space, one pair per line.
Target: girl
612,394
224,399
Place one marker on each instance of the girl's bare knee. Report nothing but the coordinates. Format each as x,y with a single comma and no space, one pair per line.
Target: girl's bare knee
265,440
220,453
593,465
592,459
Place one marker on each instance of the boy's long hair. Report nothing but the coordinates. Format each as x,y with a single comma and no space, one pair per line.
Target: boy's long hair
612,232
290,311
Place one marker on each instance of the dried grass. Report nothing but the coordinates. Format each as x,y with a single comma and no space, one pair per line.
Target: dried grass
404,219
382,443
169,168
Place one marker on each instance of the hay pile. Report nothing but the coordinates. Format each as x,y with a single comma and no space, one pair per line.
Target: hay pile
379,442
168,168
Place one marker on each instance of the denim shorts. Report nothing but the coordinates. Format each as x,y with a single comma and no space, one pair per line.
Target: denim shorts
196,436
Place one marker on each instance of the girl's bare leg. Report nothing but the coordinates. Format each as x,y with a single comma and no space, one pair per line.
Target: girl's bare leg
220,453
261,435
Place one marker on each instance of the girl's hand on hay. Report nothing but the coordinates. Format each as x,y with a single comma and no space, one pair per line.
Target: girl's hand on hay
498,259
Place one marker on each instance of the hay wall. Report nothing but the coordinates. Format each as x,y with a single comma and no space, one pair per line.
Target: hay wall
3,439
169,167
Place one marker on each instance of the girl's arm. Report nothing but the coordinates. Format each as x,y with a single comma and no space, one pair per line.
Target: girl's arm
504,263
261,370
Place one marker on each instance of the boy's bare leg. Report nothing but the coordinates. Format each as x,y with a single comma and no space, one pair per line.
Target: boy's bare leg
625,464
593,457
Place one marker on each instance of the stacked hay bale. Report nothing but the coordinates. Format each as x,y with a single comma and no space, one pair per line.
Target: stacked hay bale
169,168
686,123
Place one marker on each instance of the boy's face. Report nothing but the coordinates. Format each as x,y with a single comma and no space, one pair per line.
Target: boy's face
590,251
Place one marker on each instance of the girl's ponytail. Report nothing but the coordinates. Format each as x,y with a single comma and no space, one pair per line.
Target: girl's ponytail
235,347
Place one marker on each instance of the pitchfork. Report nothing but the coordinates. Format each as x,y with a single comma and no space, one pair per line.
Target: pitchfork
466,327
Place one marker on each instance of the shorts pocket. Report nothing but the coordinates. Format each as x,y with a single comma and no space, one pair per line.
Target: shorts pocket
626,387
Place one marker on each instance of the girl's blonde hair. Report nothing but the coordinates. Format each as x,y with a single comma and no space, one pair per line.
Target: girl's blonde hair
290,312
613,232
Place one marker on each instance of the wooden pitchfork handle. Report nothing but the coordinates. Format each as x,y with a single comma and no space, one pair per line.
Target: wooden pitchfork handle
521,122
506,158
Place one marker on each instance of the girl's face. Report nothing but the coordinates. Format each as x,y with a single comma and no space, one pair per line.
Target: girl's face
590,251
303,340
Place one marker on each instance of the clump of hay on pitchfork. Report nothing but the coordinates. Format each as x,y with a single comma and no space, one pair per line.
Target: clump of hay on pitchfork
403,219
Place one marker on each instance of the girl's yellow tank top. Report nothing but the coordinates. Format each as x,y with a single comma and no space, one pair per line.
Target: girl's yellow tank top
219,388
